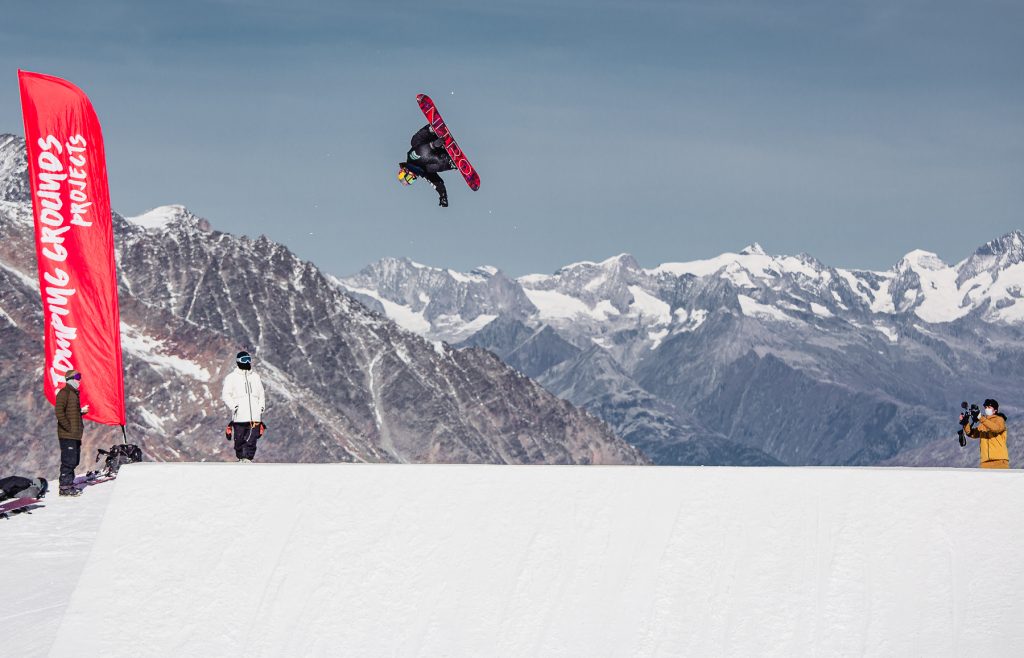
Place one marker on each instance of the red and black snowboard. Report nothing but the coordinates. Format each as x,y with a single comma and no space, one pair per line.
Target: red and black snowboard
17,505
441,130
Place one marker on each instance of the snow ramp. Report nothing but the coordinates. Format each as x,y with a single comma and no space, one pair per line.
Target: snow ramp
425,560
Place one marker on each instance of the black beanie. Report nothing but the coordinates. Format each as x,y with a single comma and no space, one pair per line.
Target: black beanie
991,403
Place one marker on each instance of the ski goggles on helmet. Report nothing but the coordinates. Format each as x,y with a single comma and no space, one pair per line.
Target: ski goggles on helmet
406,177
77,377
244,359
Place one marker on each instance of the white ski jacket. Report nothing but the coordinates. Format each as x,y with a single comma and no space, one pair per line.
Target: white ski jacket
243,393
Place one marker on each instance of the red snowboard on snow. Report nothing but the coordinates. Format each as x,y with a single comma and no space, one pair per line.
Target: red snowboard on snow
17,504
441,130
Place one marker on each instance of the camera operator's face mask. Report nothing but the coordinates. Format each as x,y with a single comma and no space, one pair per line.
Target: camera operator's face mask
989,411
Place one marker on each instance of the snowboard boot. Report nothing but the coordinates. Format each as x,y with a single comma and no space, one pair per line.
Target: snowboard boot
70,491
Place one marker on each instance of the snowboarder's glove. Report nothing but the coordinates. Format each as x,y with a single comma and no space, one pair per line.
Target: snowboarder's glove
263,428
227,432
443,201
437,144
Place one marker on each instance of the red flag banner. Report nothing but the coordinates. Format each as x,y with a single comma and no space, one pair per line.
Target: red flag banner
74,244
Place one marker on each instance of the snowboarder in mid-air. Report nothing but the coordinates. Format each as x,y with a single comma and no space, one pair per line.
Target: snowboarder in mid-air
426,158
434,150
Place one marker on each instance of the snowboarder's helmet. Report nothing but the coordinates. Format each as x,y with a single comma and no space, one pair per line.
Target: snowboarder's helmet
405,177
243,358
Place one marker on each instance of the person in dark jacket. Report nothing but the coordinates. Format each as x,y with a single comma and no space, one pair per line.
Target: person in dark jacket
426,158
70,428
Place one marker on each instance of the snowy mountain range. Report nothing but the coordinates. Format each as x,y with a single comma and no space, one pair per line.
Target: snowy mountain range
344,383
745,358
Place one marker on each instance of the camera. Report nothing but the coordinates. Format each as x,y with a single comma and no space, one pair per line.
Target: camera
970,414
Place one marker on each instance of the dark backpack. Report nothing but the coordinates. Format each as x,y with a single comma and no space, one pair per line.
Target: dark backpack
118,455
19,487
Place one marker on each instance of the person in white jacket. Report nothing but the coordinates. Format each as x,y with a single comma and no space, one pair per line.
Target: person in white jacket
243,393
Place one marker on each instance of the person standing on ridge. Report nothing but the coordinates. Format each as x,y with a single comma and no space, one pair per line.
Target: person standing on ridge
426,158
70,428
243,393
991,435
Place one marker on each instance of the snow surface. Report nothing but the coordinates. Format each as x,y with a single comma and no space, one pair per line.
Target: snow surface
455,329
889,332
152,351
554,305
754,261
466,278
42,555
755,309
158,217
403,316
416,560
24,278
646,304
5,316
938,286
689,321
820,310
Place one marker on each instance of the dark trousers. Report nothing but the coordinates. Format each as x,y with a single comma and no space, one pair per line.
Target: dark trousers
245,436
70,458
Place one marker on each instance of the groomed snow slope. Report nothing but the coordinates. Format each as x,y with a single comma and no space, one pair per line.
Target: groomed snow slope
410,560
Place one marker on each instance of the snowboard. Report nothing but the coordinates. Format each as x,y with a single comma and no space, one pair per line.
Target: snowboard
441,130
93,477
18,504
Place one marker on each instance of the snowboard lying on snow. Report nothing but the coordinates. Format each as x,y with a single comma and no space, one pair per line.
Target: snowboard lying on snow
17,505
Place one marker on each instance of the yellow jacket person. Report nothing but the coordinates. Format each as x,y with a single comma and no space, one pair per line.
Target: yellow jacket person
991,435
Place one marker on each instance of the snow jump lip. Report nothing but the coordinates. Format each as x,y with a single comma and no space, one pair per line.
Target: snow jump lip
275,559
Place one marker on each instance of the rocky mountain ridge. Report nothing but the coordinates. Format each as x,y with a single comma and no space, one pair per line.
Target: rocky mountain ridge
344,383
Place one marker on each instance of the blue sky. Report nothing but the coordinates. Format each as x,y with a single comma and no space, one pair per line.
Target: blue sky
853,131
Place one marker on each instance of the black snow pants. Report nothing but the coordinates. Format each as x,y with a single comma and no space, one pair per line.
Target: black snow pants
245,436
70,458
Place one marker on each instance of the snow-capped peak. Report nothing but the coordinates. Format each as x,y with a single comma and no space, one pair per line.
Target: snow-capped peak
920,260
995,255
160,217
622,260
1011,243
485,270
754,249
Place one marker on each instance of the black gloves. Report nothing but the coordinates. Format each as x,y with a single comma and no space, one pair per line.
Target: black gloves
443,200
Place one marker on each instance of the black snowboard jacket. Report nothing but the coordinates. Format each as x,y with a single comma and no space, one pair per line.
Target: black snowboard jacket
427,157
